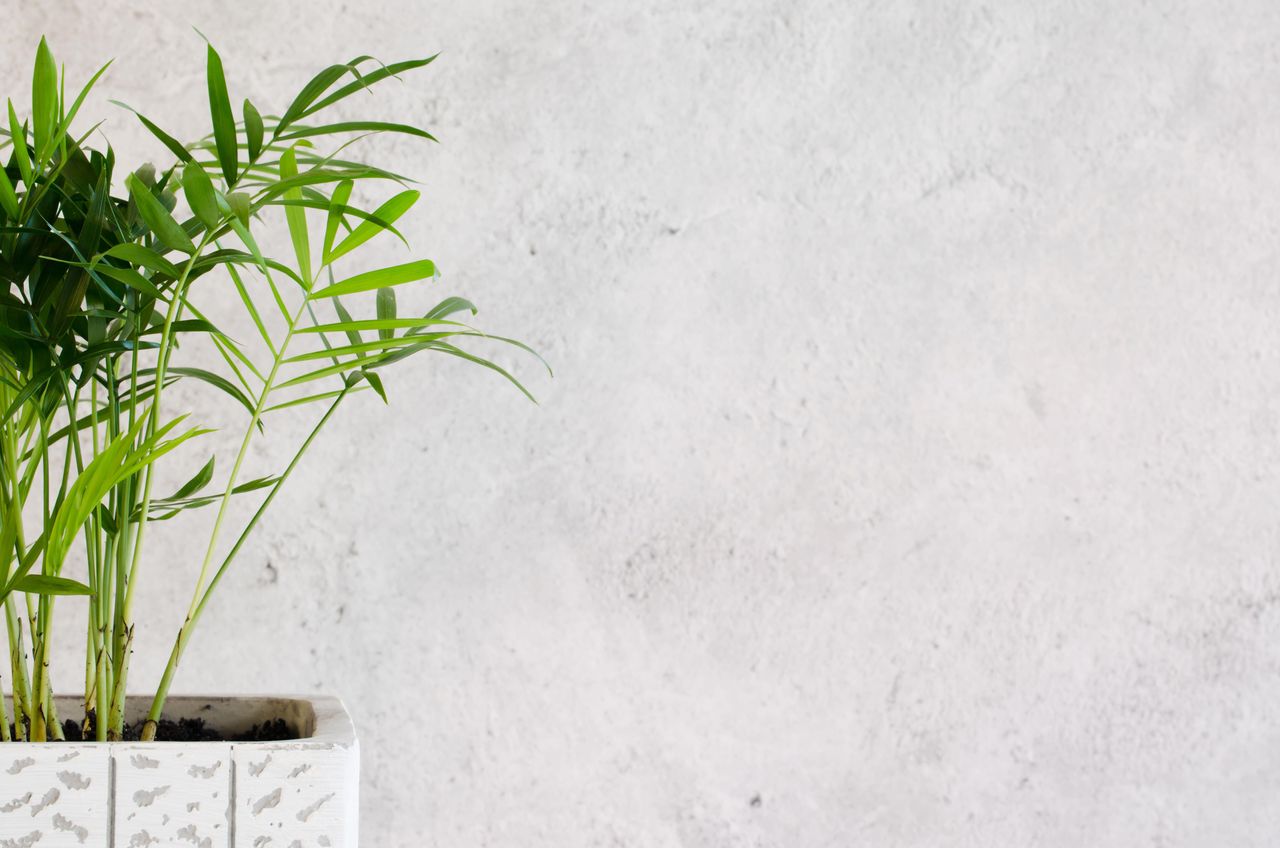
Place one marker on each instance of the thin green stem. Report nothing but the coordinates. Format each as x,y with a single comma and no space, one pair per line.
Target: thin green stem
193,617
125,618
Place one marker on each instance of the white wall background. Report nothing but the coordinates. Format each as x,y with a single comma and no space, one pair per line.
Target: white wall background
911,473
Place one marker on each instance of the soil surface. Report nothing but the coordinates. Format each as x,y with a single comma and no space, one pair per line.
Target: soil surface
185,730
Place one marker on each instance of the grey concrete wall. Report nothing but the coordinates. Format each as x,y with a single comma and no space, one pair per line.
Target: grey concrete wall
910,475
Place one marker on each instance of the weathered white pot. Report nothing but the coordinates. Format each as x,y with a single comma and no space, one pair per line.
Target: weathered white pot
296,794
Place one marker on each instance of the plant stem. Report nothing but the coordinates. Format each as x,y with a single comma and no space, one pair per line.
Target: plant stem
17,658
5,734
125,608
184,634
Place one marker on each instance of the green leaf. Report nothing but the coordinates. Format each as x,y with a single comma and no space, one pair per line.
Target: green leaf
196,483
231,354
445,347
175,147
129,277
264,265
19,134
136,254
79,101
224,124
313,89
371,280
367,80
43,584
200,195
157,217
253,130
44,99
356,126
359,350
120,458
230,256
215,380
240,205
337,204
297,217
375,382
302,401
317,176
330,370
348,326
8,197
185,325
386,310
107,520
319,201
250,307
388,212
166,508
451,306
353,334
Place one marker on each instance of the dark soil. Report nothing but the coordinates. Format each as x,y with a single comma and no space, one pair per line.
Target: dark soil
187,730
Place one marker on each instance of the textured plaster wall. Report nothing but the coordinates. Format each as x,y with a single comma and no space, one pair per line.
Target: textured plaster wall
911,475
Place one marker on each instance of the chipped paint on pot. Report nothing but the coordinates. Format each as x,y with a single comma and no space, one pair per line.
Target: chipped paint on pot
300,793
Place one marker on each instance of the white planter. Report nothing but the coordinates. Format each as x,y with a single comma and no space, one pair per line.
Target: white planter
296,794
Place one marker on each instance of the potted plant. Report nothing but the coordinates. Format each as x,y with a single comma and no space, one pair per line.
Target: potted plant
115,288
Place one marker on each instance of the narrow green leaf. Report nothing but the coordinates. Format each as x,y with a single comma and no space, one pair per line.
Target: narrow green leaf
231,354
107,520
297,217
250,307
175,147
329,371
445,347
20,152
44,584
185,325
367,80
201,479
79,101
318,176
240,204
356,126
253,130
200,195
8,197
157,217
379,324
166,508
136,254
375,382
386,306
353,334
224,124
128,277
359,350
476,334
371,280
302,401
44,99
318,85
216,380
388,212
312,199
451,306
337,204
265,265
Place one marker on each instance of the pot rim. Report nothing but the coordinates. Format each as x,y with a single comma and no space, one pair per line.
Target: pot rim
319,720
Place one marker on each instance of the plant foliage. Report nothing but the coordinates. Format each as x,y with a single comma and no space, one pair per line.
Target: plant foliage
100,316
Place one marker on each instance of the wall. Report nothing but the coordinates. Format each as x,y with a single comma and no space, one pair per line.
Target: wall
909,475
